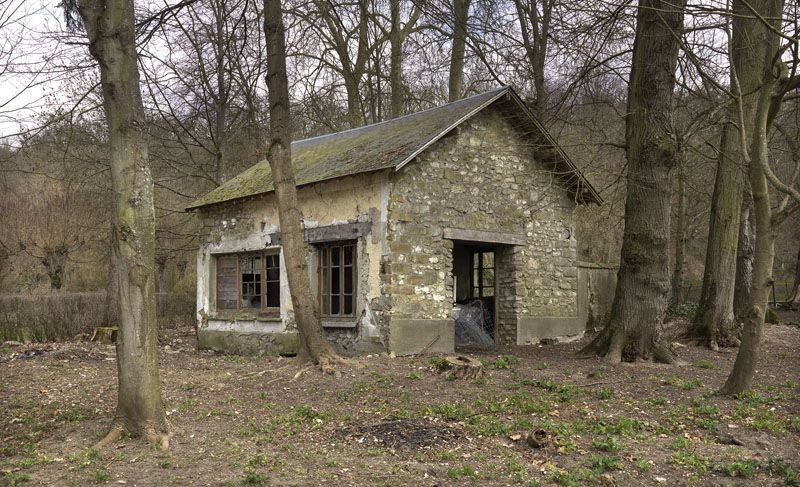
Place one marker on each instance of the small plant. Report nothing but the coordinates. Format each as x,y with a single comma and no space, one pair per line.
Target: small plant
643,465
254,478
608,444
101,475
414,376
605,393
505,362
706,364
738,468
165,463
438,364
604,463
461,472
186,386
686,385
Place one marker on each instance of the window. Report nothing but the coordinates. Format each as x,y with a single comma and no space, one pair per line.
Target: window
337,275
482,274
249,281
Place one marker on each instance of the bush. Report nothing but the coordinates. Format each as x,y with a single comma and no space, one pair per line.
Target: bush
58,316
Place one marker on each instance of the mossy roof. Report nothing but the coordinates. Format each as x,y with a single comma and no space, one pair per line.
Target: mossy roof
384,145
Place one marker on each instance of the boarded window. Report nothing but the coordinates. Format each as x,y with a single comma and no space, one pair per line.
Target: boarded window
227,282
249,281
337,274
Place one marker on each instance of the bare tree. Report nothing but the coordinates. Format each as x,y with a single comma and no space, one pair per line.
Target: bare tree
279,153
635,327
776,82
111,33
455,83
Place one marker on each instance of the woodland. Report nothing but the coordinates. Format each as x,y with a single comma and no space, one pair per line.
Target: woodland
115,115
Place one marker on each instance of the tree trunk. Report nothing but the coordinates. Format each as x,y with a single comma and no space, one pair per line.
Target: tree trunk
112,43
679,275
744,258
715,322
306,310
112,288
635,327
794,295
455,84
396,61
766,43
55,262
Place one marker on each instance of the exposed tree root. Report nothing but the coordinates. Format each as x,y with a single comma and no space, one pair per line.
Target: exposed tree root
113,435
152,436
615,348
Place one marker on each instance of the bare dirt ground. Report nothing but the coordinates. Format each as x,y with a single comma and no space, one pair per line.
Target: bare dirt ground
242,420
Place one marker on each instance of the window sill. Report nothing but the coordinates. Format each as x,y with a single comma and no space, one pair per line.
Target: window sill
349,322
240,315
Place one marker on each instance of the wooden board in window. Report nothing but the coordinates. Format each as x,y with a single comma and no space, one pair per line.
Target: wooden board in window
227,282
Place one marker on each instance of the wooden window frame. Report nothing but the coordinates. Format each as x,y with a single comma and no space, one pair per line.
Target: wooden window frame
321,295
481,268
263,309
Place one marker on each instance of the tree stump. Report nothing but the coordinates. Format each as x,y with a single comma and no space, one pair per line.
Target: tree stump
462,367
105,334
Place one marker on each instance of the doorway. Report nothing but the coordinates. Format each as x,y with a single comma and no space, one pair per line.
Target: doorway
475,289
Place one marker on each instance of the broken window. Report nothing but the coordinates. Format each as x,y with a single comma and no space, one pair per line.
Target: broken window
482,274
337,275
249,281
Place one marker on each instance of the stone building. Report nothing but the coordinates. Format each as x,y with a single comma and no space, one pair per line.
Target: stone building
470,202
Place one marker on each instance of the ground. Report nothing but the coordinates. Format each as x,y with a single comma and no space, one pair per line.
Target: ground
398,421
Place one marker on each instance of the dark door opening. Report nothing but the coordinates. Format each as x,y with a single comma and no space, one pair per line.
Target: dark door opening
474,291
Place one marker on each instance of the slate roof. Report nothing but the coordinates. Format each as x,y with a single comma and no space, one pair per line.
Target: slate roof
393,144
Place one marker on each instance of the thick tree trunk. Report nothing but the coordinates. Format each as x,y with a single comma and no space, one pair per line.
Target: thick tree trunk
794,295
745,253
635,327
306,310
455,84
765,42
714,322
112,42
681,232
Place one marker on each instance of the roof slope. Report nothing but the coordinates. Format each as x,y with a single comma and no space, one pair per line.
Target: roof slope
383,145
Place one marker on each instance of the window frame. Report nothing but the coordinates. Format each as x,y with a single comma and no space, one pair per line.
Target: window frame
323,249
477,264
263,309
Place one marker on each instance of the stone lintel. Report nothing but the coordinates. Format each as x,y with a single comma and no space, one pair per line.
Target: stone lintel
483,236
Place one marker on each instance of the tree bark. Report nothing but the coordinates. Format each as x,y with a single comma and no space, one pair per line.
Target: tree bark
744,257
794,295
766,43
681,232
455,83
306,310
635,327
396,61
112,43
715,323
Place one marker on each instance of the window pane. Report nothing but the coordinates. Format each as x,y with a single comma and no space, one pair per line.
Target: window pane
335,276
488,278
348,280
250,268
348,254
273,295
348,305
488,260
335,305
326,304
335,252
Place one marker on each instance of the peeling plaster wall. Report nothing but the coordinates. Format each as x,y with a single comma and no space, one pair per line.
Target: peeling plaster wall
242,226
481,177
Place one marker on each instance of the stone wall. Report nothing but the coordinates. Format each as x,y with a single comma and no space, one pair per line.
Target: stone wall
483,177
247,225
